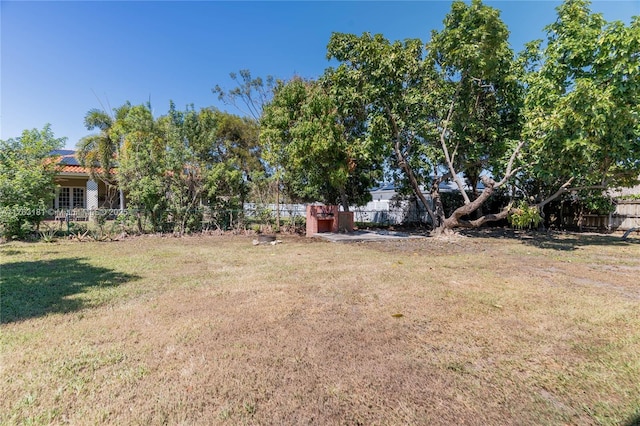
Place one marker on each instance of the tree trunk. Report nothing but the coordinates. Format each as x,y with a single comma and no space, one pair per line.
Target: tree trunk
139,222
438,209
415,186
344,200
456,221
278,204
403,163
121,200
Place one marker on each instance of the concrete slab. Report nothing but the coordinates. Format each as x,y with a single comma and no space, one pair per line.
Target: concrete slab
360,236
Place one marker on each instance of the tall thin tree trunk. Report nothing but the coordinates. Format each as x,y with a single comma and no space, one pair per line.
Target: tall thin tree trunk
344,200
438,209
278,204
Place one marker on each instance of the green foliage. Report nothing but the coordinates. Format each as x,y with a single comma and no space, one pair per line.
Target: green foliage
126,221
524,216
48,234
250,95
27,170
314,150
141,170
454,109
629,197
99,152
479,93
384,88
438,113
582,106
172,165
594,203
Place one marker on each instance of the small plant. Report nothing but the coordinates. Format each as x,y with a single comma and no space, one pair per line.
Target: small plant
98,235
78,232
48,235
265,216
127,221
79,236
524,216
629,197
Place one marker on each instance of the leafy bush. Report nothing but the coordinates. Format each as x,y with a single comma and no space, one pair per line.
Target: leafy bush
524,216
598,204
27,172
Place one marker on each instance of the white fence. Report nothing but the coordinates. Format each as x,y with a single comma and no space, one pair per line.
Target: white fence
376,212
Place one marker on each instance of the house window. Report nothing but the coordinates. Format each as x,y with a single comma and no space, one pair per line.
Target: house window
78,197
70,198
64,198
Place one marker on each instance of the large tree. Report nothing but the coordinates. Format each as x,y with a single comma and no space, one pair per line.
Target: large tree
250,95
478,122
227,148
141,168
449,112
391,81
582,106
319,154
27,170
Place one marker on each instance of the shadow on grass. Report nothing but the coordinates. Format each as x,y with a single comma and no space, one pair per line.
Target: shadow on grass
633,421
36,288
562,241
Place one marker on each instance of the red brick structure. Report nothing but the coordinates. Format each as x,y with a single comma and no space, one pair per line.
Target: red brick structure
321,218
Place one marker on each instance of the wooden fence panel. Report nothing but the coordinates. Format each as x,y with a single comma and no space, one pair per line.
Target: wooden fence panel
626,215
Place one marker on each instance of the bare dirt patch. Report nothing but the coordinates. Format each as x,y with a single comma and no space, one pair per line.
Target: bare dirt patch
214,330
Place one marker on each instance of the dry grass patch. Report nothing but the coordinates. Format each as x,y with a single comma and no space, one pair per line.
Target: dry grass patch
470,330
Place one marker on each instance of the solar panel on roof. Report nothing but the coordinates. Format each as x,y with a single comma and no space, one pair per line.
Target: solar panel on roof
63,152
68,156
70,161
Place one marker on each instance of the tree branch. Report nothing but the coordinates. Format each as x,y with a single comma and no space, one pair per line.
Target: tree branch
484,219
510,172
405,165
447,157
565,188
558,193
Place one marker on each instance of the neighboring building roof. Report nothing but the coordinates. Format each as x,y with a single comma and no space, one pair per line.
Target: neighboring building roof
74,169
446,186
384,187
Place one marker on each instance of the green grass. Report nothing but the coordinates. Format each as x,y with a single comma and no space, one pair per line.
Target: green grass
213,330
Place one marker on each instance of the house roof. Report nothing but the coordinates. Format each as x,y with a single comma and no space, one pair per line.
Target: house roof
67,157
69,162
73,169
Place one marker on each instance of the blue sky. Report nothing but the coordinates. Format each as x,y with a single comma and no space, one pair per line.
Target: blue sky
61,58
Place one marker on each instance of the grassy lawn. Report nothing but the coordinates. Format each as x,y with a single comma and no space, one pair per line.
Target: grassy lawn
476,329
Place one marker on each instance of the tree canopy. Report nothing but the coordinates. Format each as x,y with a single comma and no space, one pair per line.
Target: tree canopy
27,170
582,105
321,157
172,165
445,111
